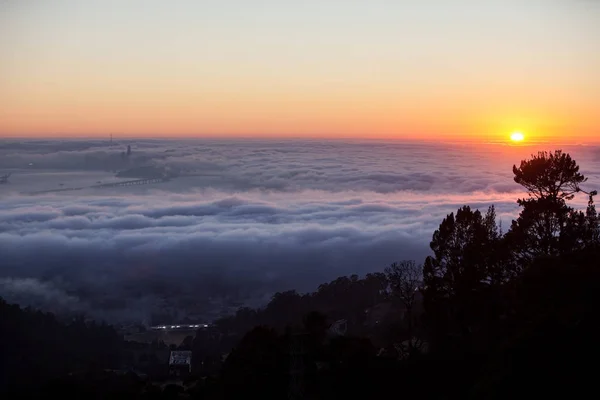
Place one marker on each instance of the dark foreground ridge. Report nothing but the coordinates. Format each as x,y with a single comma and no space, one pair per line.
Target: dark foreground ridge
490,315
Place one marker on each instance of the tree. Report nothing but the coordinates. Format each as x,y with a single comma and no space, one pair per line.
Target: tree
285,308
257,366
539,230
187,343
582,229
551,330
549,175
463,267
315,327
375,286
315,323
546,224
405,280
37,347
592,221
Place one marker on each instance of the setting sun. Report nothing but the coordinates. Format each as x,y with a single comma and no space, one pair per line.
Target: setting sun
517,137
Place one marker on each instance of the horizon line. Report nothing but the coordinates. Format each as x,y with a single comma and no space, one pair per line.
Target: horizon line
486,141
482,139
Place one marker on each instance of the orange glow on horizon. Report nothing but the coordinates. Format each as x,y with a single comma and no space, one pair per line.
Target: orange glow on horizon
277,115
139,108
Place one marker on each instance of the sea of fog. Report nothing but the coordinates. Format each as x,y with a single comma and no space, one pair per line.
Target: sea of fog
236,221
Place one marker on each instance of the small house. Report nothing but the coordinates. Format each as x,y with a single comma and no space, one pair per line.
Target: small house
180,363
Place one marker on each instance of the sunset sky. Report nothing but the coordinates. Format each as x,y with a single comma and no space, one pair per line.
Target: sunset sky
445,69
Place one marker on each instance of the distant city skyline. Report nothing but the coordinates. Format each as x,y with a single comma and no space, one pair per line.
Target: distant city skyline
433,70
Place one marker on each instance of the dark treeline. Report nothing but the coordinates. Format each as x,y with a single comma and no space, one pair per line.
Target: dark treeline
36,346
489,315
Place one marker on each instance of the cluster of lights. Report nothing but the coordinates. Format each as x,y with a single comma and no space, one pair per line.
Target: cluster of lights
179,326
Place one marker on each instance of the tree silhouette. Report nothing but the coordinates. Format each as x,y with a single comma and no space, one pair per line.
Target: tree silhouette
461,270
539,228
405,279
315,323
551,330
549,175
592,223
257,366
546,224
37,347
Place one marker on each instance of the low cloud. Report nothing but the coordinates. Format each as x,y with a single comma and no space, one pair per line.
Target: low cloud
275,216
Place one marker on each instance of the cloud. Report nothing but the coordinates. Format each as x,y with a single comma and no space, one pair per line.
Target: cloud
275,216
38,294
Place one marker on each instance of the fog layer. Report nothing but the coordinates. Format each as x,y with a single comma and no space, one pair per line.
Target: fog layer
235,222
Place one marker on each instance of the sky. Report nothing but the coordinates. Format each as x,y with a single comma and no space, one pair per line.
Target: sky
432,69
243,219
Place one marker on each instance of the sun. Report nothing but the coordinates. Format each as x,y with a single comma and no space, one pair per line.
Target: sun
517,136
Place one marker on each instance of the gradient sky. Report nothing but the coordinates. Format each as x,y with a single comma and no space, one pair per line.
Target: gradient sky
445,69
